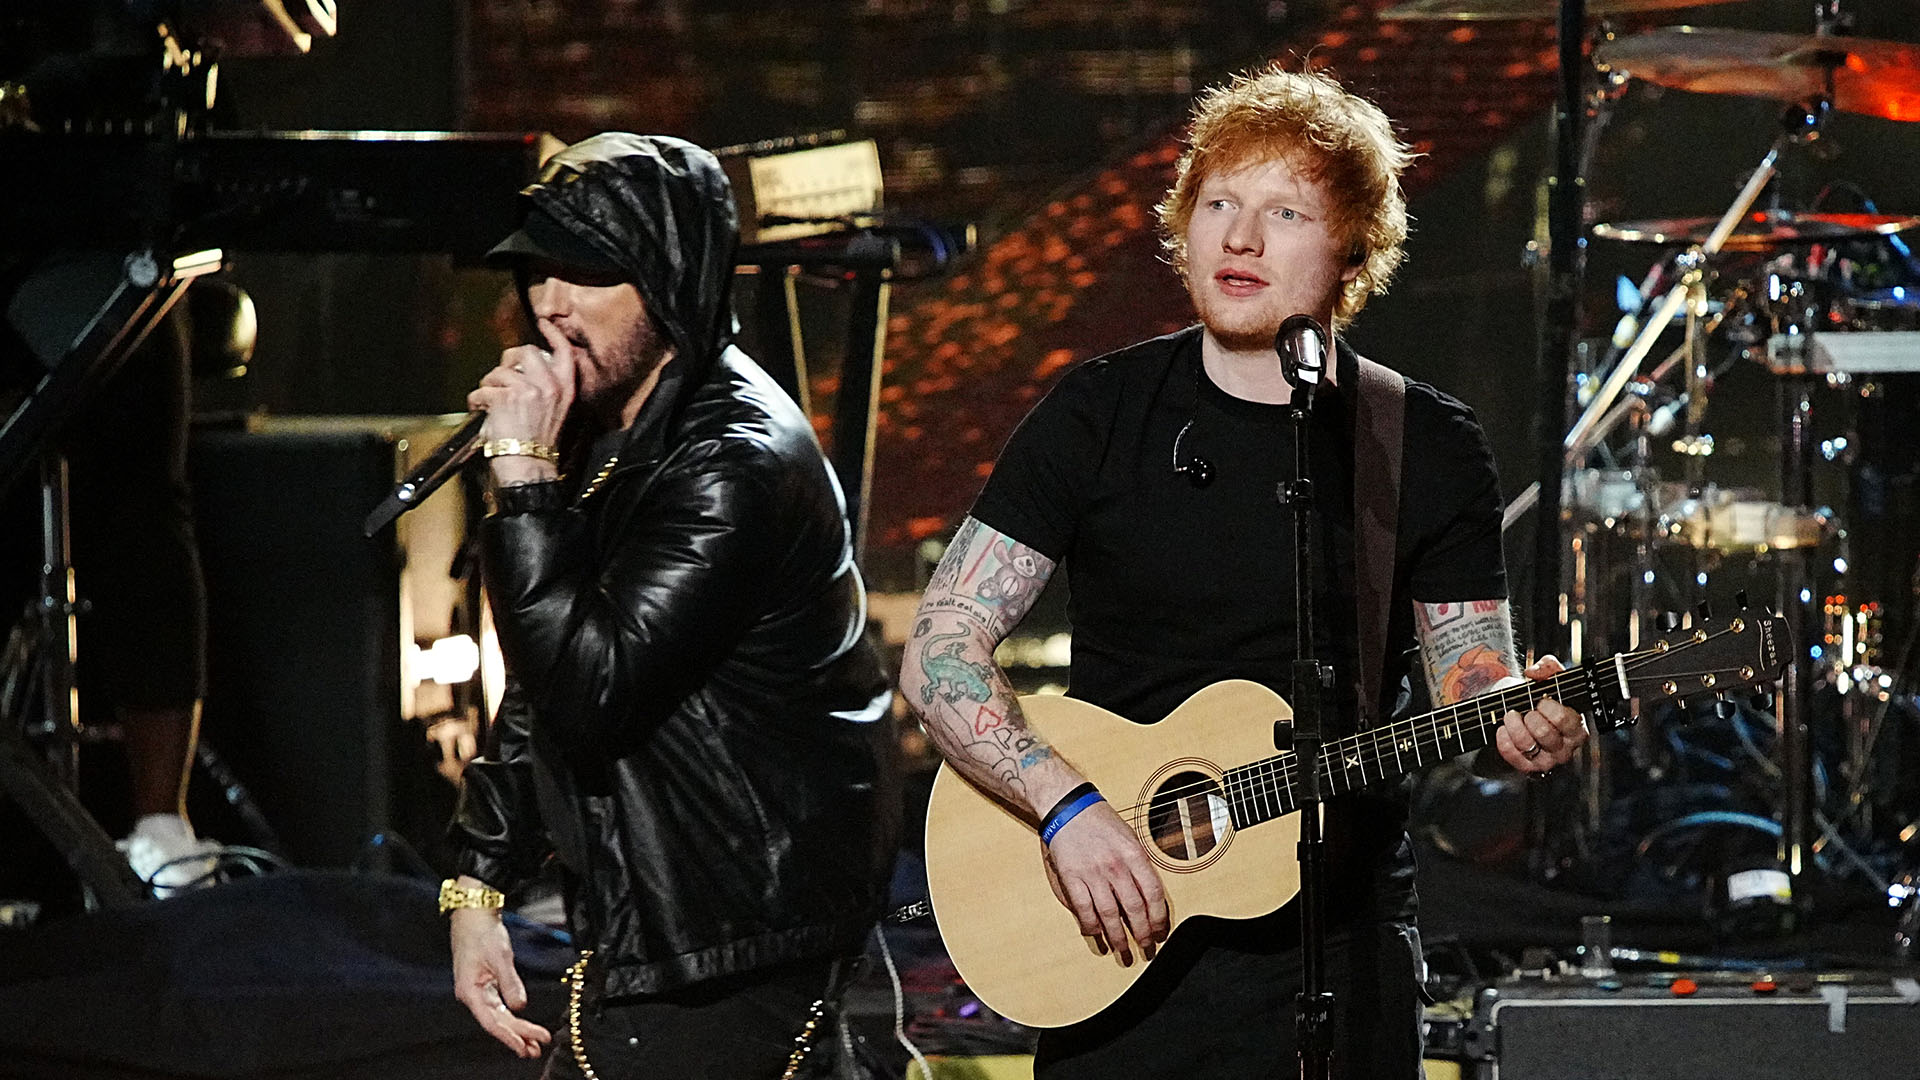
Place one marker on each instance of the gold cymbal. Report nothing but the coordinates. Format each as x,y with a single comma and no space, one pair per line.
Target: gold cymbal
1479,10
1870,77
1759,231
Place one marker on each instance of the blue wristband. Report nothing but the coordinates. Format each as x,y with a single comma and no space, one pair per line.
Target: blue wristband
1068,813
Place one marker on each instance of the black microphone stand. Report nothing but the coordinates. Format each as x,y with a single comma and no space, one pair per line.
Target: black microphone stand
1313,1009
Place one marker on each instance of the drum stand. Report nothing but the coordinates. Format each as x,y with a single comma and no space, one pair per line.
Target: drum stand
1607,410
39,758
1796,600
1866,708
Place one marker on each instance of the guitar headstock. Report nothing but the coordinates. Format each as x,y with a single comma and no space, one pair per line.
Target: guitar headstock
1707,656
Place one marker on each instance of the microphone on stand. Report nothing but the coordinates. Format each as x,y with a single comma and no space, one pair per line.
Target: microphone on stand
437,469
1302,345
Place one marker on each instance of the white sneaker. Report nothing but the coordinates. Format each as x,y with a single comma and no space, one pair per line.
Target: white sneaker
166,855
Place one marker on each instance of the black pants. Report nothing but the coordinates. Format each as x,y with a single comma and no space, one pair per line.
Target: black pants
741,1028
1224,1007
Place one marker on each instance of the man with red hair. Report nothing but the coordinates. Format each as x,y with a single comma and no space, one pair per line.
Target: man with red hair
1150,473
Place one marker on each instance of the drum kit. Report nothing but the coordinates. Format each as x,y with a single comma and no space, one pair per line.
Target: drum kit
1822,308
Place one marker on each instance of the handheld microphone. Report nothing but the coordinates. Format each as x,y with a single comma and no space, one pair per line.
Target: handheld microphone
1302,346
436,470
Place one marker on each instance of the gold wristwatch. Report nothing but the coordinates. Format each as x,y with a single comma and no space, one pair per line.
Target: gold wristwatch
494,448
454,895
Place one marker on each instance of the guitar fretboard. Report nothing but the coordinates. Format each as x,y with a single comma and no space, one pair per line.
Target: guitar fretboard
1267,789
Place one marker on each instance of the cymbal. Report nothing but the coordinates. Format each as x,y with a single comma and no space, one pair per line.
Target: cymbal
1759,231
1483,10
1870,77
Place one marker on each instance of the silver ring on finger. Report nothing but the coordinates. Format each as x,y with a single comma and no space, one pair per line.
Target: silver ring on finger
1531,752
520,368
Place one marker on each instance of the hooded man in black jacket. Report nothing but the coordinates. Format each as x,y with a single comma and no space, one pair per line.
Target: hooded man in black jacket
694,725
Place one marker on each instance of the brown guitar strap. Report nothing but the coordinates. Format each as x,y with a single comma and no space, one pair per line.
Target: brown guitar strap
1378,435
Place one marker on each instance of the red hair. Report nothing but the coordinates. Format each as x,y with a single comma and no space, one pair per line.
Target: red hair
1335,137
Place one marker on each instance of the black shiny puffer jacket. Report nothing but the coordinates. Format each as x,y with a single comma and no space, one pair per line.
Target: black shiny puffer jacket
695,723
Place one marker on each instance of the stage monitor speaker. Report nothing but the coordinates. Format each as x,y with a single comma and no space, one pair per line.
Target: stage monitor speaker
305,627
1844,1024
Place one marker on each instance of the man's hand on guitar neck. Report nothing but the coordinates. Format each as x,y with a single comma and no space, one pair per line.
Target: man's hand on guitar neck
1100,873
1467,649
1546,736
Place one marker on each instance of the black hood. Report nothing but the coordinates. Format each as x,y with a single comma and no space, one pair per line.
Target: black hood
662,210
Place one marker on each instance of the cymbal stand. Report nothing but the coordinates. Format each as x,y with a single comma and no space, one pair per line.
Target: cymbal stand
1646,735
1587,432
58,604
1792,712
1578,119
1598,418
1693,442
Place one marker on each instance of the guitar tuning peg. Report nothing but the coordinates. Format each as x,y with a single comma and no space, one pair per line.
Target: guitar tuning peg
1762,700
1669,622
1740,599
1705,608
1723,708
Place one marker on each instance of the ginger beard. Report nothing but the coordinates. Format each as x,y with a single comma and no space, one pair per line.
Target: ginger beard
1260,248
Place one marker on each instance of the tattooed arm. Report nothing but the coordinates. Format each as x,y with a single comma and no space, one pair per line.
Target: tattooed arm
1467,649
983,587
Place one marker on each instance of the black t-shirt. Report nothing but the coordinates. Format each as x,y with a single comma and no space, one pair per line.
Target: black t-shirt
1174,586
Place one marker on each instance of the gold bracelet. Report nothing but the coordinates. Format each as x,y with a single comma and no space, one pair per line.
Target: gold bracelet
454,895
494,448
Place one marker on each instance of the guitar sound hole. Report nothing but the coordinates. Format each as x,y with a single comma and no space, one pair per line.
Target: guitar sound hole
1187,817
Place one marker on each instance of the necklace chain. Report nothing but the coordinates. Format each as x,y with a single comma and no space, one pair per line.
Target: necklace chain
576,980
599,478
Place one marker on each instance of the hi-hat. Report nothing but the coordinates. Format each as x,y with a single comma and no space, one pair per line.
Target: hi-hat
1477,10
1858,75
1759,231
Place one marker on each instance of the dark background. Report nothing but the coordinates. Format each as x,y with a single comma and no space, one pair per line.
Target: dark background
985,113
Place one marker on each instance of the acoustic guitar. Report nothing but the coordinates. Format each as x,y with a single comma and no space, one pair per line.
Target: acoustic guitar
1214,806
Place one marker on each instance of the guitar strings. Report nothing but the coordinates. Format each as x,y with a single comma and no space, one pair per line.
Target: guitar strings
1379,741
1373,746
1258,782
1265,770
1255,780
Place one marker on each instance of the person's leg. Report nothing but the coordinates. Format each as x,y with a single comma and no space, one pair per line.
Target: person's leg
142,646
160,745
1380,1015
1226,1010
1216,1004
734,1029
